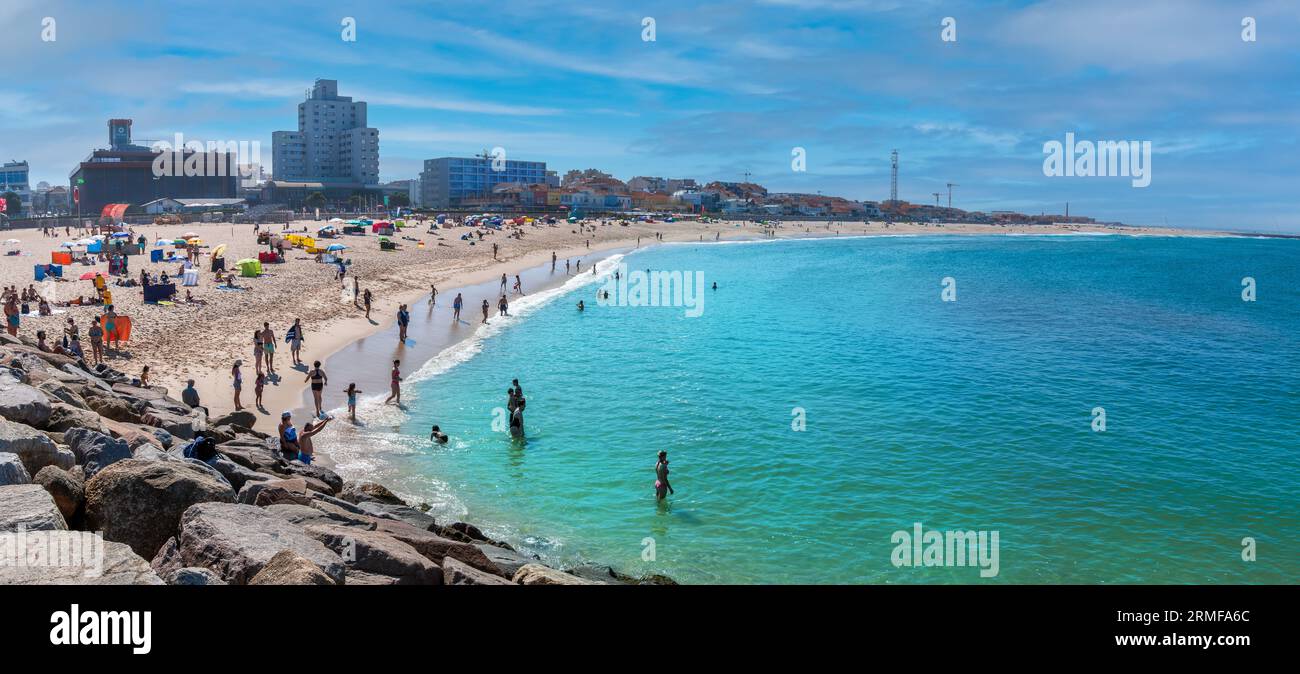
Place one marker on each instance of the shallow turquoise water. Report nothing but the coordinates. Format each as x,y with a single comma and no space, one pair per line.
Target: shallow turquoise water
966,415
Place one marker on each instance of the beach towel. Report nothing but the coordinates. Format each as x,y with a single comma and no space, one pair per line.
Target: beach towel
123,328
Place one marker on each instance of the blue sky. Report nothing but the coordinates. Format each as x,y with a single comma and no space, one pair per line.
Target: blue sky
726,88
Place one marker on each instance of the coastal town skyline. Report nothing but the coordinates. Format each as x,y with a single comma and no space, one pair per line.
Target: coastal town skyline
702,102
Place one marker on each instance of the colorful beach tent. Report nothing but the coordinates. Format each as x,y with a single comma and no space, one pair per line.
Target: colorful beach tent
249,267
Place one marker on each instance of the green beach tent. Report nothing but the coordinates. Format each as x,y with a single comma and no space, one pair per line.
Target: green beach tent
249,267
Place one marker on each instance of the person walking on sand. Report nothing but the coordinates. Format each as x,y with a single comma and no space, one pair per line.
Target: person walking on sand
662,487
365,298
433,295
268,347
352,392
396,384
494,251
403,320
318,381
258,385
238,382
519,285
96,335
485,311
455,308
295,341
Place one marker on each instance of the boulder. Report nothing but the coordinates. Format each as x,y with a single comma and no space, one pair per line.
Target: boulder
65,417
507,560
139,392
237,475
12,470
536,574
602,575
435,547
287,567
96,451
401,513
237,541
242,418
29,507
86,378
68,492
140,502
363,578
181,426
193,575
114,408
57,390
306,515
329,482
373,552
292,490
133,434
35,449
22,403
168,560
459,573
358,492
118,565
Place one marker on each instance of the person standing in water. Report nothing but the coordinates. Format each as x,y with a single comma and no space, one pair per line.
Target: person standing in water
318,381
352,392
403,320
433,295
662,487
503,284
396,384
455,308
553,258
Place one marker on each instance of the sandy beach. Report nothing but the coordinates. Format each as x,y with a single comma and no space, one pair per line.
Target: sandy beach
202,340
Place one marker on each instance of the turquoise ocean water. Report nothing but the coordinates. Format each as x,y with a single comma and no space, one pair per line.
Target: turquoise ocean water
968,415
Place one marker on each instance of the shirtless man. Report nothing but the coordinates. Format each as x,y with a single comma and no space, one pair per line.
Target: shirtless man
305,449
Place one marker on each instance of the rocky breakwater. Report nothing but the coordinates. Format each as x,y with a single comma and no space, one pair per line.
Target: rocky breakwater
91,461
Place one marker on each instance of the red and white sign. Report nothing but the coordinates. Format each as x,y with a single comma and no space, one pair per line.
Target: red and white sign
76,195
4,206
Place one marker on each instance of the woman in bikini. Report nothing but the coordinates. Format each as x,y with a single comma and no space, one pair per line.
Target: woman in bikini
318,381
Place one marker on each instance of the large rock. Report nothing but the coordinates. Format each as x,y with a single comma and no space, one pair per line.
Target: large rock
306,515
242,418
459,573
139,392
435,547
179,425
322,479
22,403
29,507
35,449
65,417
68,492
402,513
12,470
536,574
96,451
113,407
357,492
287,567
58,390
118,565
269,492
194,575
505,559
237,475
373,552
86,378
237,541
140,502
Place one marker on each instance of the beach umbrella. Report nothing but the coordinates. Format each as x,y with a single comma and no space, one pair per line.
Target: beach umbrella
90,275
69,244
336,246
190,235
87,242
161,243
216,252
179,242
195,242
11,242
121,235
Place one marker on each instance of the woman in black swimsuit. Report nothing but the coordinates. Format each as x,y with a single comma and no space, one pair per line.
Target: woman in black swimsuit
318,381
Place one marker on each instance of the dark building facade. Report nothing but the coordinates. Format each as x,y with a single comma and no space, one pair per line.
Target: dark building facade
125,174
